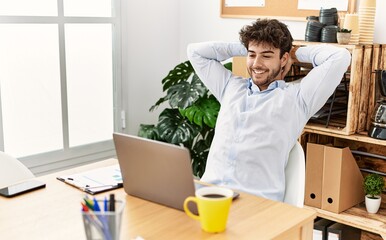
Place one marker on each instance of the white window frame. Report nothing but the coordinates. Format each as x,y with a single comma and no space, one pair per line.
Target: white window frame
72,156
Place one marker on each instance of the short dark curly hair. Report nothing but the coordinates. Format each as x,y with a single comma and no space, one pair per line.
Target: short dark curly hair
269,31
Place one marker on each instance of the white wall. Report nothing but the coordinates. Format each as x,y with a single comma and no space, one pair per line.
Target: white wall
150,43
175,24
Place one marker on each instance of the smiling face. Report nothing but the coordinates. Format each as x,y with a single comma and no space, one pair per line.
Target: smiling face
264,64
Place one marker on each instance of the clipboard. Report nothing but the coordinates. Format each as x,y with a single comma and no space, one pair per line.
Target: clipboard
96,180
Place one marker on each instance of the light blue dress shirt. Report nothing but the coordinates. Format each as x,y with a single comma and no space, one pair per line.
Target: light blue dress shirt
255,129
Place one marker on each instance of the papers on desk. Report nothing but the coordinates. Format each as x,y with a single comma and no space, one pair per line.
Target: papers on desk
96,180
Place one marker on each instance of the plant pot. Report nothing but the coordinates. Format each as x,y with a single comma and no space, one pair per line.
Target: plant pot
343,37
372,205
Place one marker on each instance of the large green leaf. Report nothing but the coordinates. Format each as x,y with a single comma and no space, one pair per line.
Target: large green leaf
205,110
179,74
184,94
161,100
149,131
176,129
183,87
199,155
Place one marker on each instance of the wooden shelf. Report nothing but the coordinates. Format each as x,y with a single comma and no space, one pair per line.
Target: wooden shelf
310,128
356,216
305,43
359,218
365,59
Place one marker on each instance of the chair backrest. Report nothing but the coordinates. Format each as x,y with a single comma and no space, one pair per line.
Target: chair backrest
12,170
295,177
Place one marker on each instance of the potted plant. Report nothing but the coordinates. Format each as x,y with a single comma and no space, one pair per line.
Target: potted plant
343,35
373,186
191,117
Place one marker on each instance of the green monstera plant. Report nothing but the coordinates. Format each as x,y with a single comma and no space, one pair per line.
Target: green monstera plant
191,117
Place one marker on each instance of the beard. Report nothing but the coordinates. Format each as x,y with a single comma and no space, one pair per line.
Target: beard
264,82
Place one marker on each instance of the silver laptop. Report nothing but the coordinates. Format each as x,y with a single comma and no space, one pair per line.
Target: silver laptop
155,171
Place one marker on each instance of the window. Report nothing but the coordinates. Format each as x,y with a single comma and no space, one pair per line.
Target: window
59,62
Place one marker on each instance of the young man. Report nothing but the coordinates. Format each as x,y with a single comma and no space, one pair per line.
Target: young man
261,117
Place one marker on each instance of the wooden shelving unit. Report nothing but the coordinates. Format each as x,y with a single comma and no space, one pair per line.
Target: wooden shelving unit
365,59
352,130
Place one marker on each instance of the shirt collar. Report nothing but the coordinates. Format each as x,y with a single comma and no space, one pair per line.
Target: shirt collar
255,89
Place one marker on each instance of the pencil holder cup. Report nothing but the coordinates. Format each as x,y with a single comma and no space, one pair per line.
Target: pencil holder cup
103,225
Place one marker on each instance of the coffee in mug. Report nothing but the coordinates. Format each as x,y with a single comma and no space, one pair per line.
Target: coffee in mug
213,205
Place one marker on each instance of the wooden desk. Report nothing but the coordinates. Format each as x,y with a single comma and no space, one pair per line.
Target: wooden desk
54,213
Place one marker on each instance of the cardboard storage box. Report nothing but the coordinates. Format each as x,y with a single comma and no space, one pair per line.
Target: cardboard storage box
333,179
314,175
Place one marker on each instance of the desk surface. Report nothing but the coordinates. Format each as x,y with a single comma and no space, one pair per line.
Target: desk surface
54,213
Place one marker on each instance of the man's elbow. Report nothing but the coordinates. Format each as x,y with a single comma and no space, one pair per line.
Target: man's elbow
193,50
190,50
